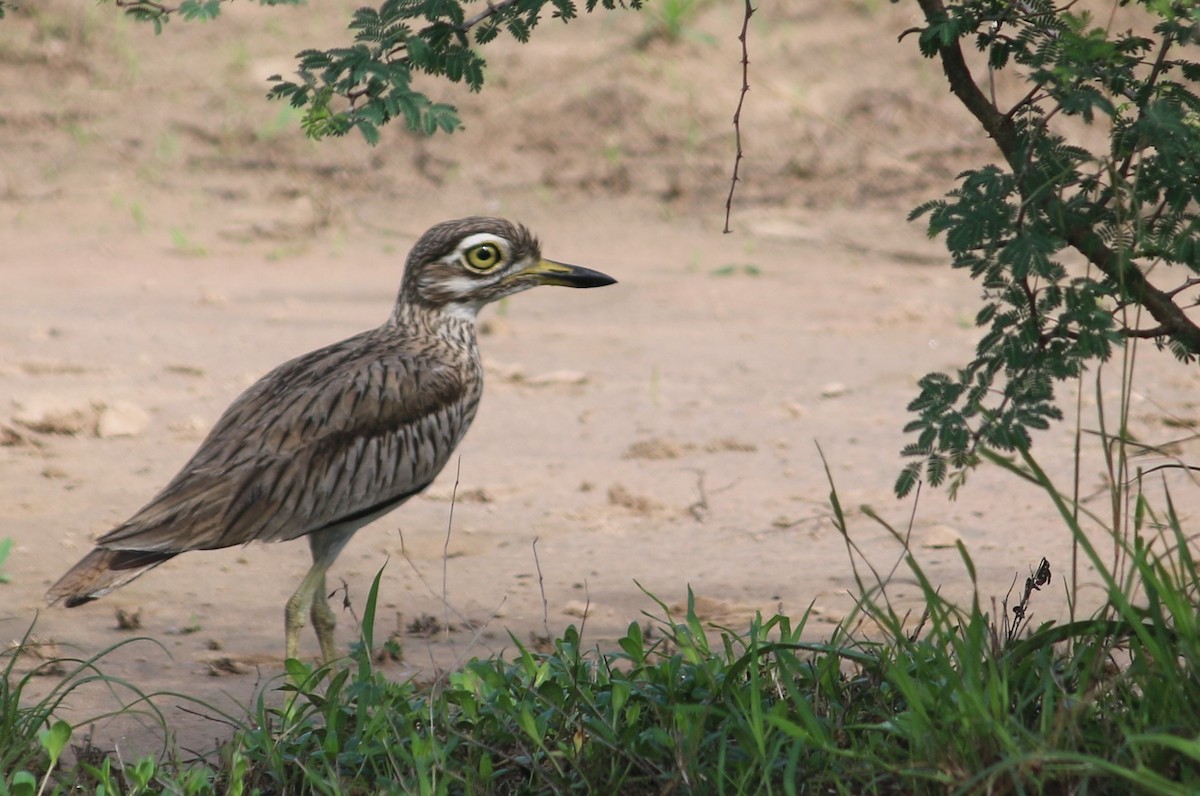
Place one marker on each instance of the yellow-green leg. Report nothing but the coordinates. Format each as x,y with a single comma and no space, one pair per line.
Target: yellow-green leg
298,605
311,598
324,621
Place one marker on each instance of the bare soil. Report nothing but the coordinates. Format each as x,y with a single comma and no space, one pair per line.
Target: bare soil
169,236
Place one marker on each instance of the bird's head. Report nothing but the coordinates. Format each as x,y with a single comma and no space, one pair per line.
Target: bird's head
464,264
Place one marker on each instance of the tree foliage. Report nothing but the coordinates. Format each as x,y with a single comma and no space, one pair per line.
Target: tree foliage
1130,212
369,82
1077,249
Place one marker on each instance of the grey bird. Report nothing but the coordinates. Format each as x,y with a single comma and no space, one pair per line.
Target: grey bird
331,440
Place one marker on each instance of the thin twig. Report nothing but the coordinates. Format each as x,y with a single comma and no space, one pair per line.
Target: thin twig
446,547
491,10
542,588
1170,466
699,509
1191,282
158,7
737,114
218,719
444,597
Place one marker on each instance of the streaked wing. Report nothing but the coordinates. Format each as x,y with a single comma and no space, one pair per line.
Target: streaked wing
326,438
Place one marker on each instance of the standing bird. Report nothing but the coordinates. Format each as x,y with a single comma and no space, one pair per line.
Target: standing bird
329,441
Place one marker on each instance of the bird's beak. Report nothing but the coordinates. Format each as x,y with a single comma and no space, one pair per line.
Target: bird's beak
548,272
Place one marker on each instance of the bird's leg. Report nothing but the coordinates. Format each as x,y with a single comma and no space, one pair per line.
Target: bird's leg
300,603
311,598
324,621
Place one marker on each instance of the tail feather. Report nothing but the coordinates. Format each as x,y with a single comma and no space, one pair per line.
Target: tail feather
102,571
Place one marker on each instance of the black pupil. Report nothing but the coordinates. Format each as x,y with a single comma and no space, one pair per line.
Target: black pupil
485,254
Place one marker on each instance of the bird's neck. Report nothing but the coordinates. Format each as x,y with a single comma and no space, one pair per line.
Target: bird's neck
451,322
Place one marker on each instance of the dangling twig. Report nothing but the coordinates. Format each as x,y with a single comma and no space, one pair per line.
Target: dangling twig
737,114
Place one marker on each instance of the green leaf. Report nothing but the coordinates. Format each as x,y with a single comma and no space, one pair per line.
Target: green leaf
910,476
54,740
6,545
200,10
23,784
632,643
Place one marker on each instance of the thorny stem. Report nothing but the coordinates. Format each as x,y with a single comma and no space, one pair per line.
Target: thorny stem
737,114
491,10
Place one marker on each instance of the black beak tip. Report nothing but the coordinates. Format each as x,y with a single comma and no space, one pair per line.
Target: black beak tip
586,277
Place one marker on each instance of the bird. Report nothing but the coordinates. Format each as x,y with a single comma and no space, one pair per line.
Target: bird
331,440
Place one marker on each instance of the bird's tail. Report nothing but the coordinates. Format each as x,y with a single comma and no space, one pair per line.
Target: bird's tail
101,571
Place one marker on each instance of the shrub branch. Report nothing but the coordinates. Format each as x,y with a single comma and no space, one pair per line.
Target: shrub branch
1078,232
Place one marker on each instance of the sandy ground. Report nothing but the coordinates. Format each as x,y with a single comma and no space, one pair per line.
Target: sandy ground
168,236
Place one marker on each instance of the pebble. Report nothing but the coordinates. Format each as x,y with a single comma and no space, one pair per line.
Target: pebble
578,608
557,377
55,415
937,537
121,419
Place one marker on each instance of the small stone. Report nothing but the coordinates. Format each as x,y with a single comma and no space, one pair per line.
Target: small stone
55,368
219,667
834,389
129,621
618,495
938,537
476,495
656,448
121,419
10,437
827,615
578,608
557,377
185,370
424,626
55,415
730,444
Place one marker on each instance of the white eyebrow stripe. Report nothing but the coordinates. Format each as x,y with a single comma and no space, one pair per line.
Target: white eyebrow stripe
482,237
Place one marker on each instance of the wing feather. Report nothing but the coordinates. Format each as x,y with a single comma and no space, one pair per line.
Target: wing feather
335,434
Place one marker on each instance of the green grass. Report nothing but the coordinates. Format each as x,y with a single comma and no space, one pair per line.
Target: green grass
5,548
965,703
673,20
955,700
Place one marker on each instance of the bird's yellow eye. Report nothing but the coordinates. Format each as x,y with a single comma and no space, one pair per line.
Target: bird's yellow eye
483,257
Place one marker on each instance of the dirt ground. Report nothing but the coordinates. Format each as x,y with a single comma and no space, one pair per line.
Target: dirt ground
169,236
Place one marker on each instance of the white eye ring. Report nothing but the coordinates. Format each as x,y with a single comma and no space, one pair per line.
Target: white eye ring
483,257
482,243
